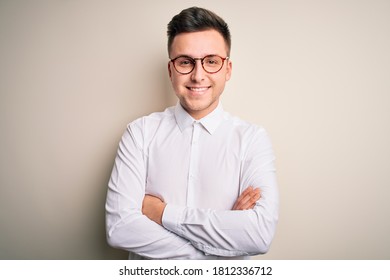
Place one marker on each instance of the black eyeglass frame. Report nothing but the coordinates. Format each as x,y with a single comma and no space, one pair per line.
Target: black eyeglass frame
193,59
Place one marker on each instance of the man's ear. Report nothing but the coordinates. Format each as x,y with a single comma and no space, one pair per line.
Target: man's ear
229,70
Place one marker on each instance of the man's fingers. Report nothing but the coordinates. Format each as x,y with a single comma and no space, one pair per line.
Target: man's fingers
255,196
153,208
247,200
149,201
242,200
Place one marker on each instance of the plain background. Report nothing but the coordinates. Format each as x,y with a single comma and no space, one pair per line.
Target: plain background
315,74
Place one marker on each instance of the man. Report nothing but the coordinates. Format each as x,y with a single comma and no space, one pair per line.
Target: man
193,182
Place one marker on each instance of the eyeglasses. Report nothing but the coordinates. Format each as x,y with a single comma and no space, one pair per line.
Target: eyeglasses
210,63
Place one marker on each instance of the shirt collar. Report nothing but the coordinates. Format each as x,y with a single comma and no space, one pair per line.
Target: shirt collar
209,122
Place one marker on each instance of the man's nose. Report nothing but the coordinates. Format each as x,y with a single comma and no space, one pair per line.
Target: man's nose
198,72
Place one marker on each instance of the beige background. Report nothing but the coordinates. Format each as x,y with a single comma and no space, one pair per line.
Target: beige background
315,74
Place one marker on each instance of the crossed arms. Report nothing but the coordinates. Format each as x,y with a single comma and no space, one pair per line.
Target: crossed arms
134,219
153,207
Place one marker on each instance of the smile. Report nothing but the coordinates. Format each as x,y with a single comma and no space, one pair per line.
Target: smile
198,89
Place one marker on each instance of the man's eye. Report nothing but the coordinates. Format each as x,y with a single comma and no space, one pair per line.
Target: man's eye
185,62
212,61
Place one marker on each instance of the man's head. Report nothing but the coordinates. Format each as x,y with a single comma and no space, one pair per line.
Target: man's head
199,47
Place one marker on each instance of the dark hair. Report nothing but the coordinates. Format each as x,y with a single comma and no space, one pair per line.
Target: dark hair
197,19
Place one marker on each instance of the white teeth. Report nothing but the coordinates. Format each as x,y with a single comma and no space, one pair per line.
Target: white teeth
199,89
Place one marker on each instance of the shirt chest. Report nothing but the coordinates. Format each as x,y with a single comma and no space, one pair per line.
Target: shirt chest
195,168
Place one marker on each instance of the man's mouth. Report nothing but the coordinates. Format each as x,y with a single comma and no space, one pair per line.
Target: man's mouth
198,89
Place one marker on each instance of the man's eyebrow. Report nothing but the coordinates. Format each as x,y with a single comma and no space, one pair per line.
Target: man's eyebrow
190,56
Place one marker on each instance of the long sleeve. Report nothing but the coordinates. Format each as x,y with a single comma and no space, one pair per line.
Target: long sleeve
235,233
127,228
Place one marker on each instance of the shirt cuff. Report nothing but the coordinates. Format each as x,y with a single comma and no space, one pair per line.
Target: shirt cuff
172,216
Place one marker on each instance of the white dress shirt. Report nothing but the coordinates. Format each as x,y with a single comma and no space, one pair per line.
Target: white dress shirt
199,168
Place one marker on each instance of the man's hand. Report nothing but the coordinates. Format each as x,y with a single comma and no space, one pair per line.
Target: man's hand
153,208
247,200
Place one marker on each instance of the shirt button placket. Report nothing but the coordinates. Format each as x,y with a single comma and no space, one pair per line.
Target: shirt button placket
193,169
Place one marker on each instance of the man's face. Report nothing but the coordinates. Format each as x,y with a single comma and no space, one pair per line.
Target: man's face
199,91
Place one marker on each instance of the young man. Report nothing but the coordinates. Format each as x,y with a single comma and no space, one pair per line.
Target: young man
193,182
